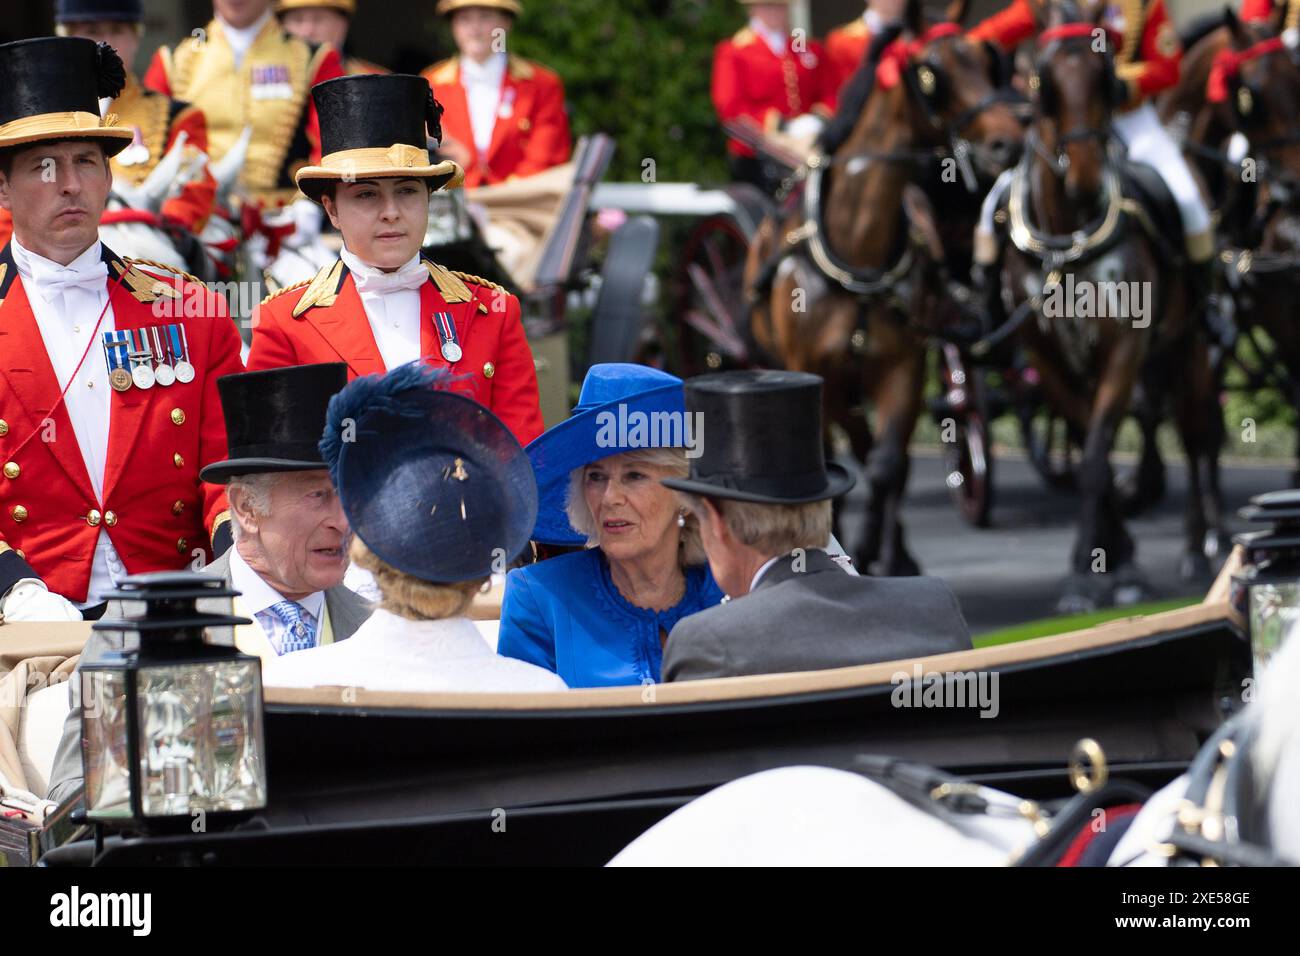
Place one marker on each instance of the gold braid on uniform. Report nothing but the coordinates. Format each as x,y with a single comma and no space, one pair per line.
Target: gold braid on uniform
153,264
477,280
289,288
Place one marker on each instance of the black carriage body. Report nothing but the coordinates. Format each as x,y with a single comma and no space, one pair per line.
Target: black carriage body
356,783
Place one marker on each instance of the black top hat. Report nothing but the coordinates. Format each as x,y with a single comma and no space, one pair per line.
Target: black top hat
761,439
375,126
274,419
81,11
50,89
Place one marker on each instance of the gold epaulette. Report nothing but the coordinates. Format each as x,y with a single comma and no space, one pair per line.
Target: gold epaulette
854,28
443,72
289,288
144,287
322,290
477,280
153,264
744,36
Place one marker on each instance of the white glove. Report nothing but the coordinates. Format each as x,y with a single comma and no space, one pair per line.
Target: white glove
30,600
804,127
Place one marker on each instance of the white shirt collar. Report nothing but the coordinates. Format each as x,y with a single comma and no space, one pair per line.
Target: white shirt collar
490,72
874,21
257,596
25,259
355,264
241,38
763,570
776,41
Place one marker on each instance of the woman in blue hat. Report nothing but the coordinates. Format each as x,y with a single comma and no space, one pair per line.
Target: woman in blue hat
599,617
439,495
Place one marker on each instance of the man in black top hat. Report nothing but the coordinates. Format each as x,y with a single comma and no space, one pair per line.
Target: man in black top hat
762,491
291,536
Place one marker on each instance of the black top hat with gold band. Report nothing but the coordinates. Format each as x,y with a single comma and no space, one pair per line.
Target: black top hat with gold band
345,7
50,89
375,127
447,7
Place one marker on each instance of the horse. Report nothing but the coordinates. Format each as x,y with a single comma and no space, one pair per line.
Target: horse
1239,101
847,281
1085,260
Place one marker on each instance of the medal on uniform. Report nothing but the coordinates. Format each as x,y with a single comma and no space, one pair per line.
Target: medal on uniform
181,344
115,354
451,350
163,370
141,359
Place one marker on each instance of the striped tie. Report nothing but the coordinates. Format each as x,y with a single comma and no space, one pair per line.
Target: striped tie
299,635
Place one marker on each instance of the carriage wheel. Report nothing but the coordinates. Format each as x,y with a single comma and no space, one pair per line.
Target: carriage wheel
706,323
968,456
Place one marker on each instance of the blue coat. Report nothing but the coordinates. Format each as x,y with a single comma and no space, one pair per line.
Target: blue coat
566,615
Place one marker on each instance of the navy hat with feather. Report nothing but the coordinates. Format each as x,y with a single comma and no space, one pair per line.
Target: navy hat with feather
433,483
115,11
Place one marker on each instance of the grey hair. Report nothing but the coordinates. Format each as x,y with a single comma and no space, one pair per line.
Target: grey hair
256,489
671,460
774,529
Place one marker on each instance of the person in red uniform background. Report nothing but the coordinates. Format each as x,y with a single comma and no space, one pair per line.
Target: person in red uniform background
846,45
504,115
108,399
382,304
326,21
774,78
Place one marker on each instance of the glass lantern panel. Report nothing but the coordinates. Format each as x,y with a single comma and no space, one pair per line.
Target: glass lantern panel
104,744
1274,610
201,744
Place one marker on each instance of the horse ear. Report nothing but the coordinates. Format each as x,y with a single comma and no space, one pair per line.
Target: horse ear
914,17
956,12
1235,29
1277,20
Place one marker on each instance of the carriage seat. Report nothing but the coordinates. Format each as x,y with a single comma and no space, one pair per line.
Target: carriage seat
1141,183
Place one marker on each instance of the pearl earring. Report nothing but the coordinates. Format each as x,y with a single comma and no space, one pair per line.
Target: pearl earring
681,519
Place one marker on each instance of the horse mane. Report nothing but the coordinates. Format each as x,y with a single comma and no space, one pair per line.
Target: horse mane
853,98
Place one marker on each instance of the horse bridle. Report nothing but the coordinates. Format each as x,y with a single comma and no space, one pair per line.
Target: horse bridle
1052,40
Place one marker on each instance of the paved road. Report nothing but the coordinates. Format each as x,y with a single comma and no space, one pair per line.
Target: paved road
1013,571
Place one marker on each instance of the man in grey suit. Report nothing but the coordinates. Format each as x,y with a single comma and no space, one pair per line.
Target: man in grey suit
291,536
762,491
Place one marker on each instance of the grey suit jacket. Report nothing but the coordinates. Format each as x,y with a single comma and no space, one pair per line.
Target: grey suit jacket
347,612
813,619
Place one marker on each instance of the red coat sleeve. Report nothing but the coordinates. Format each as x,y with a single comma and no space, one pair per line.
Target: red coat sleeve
194,204
1159,57
514,386
330,68
549,143
1008,28
223,359
156,77
826,84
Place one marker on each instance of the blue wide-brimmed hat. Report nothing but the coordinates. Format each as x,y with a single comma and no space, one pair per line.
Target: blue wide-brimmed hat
431,481
619,390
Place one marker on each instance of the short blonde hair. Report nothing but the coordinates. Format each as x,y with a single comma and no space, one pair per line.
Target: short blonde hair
690,548
773,529
410,597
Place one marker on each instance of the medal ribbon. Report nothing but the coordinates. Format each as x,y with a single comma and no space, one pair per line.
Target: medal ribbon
446,328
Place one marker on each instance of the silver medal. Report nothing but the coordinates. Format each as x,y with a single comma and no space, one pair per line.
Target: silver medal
165,375
143,376
184,372
451,352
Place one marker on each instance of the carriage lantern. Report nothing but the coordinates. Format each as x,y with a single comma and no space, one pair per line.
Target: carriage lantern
1267,591
171,728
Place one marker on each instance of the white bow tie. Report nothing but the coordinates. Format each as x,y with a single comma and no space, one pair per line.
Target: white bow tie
384,282
53,282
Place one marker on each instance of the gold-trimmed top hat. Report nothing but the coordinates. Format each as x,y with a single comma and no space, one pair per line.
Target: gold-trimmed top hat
374,127
448,7
50,88
346,7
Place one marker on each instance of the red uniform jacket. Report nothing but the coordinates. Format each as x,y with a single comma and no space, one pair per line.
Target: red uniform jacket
330,325
155,509
750,80
531,132
845,47
1148,59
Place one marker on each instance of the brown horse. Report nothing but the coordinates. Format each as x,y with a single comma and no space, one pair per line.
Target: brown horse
1243,79
1089,273
848,282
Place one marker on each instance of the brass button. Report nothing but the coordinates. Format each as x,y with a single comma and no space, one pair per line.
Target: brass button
19,513
93,518
21,553
177,460
110,518
11,469
525,124
489,369
180,545
177,507
178,417
4,428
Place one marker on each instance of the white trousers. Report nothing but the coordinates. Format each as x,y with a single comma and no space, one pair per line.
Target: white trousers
1146,141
